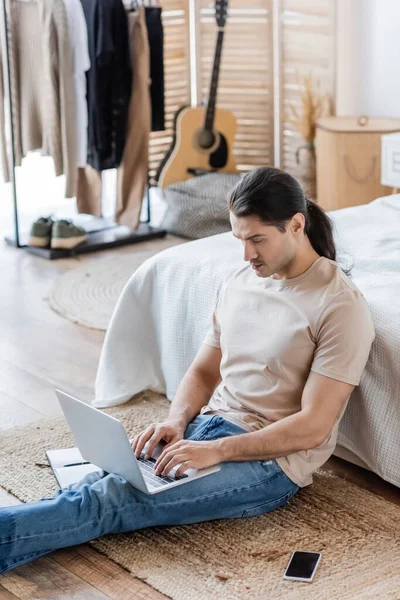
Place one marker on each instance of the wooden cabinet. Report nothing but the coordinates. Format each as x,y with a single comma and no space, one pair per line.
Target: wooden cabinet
348,152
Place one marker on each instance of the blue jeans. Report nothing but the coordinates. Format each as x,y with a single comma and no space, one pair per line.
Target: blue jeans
104,503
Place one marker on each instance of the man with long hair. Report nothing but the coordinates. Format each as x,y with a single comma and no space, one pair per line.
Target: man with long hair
289,339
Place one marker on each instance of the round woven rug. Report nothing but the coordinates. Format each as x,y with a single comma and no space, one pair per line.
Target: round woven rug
88,294
356,531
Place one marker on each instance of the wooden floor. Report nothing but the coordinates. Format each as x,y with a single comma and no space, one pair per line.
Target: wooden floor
39,351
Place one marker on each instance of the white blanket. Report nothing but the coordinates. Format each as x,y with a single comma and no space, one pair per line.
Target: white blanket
165,310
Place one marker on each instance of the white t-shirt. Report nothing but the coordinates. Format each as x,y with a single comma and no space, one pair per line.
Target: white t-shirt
272,333
81,63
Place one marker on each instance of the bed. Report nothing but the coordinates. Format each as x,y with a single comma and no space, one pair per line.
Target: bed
165,309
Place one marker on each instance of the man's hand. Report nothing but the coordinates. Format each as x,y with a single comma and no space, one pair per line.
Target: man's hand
170,430
190,454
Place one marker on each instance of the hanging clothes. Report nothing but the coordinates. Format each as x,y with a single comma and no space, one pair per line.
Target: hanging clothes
88,195
156,42
80,63
132,174
41,86
109,81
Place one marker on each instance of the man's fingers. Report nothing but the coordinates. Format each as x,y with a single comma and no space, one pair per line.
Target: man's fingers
150,438
142,439
134,441
172,442
170,449
157,436
164,459
153,441
165,467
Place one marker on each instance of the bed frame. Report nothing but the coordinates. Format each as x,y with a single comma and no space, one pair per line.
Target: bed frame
348,455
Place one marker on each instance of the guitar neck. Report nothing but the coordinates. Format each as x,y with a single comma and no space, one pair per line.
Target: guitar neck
212,98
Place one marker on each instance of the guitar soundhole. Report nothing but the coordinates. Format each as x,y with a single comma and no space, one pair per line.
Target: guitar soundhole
206,139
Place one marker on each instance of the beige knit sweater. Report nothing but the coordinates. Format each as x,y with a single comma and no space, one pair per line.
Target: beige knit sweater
41,86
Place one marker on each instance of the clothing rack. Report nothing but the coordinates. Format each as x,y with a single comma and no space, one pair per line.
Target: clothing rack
102,234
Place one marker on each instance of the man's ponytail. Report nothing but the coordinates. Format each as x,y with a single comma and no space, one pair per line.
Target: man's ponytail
319,228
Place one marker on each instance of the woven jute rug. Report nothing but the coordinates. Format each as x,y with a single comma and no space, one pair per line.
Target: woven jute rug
357,532
88,294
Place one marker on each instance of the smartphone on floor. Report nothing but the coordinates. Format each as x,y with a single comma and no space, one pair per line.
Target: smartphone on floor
302,566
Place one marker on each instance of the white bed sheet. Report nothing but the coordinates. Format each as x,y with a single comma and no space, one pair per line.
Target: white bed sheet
165,309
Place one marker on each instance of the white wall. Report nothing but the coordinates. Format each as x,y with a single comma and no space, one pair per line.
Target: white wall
368,58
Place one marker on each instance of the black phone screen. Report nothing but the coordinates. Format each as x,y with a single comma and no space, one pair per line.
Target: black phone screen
302,564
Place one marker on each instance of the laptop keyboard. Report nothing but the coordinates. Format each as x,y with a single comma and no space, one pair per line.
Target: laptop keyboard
147,468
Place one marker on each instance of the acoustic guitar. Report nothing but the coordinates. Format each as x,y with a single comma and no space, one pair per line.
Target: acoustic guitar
203,136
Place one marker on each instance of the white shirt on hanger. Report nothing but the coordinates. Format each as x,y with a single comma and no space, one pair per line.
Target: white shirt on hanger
81,63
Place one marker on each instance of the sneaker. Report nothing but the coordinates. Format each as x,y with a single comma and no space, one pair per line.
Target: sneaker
66,235
40,234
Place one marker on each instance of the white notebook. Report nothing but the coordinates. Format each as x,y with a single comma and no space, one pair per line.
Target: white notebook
69,466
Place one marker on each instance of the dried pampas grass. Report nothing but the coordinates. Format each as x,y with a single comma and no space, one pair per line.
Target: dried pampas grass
314,104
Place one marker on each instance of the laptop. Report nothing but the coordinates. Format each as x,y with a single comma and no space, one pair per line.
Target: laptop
103,442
